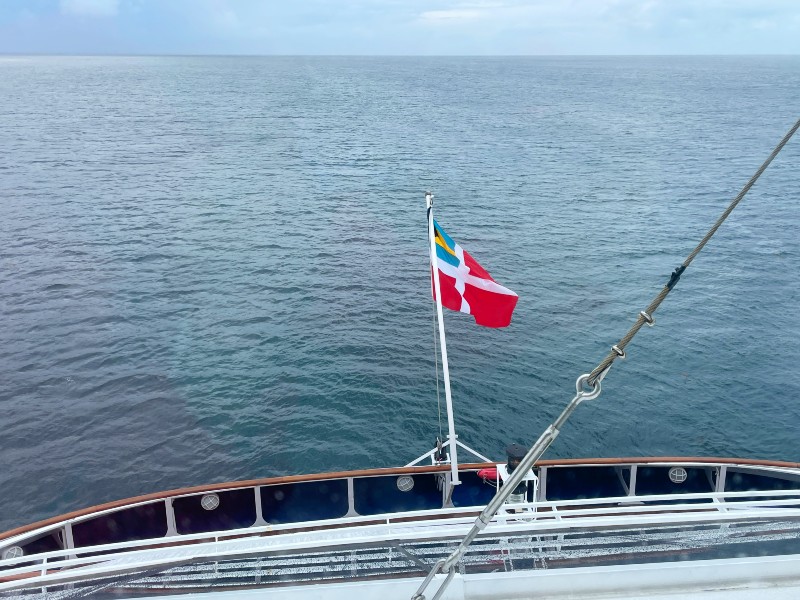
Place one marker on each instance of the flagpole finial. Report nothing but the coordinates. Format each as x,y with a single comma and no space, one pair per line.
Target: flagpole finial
429,199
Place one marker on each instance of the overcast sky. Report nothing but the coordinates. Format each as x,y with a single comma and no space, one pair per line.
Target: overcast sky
400,26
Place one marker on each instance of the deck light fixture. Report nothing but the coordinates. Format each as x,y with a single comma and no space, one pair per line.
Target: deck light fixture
209,501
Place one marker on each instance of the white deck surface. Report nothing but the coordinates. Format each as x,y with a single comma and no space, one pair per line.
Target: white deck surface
775,578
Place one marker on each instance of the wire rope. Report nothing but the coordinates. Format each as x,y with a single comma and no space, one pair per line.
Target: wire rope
646,316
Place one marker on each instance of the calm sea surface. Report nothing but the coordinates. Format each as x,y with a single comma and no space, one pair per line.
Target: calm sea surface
215,268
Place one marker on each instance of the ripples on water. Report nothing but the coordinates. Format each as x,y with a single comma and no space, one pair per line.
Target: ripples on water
215,268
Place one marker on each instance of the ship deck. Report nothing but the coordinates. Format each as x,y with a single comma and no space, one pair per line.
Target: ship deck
361,528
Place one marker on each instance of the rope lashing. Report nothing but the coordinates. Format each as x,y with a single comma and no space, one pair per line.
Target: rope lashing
675,277
618,350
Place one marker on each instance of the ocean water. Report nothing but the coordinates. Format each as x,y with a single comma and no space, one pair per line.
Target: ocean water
215,268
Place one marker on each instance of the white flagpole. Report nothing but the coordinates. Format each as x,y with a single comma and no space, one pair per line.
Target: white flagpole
451,438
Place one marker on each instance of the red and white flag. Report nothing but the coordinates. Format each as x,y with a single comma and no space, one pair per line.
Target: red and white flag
467,287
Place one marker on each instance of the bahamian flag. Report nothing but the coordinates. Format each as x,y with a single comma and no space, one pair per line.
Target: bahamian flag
467,287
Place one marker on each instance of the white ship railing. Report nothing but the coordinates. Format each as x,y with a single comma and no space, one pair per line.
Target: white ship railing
631,496
549,517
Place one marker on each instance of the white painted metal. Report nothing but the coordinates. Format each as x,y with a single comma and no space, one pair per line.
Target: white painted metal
418,460
634,473
722,475
777,578
351,498
429,526
673,580
781,472
395,527
473,452
430,453
451,437
716,502
548,436
172,526
504,475
259,510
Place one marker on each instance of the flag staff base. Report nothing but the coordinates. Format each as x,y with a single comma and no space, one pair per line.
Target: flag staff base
432,453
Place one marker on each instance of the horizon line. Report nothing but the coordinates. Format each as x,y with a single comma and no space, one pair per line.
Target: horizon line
360,55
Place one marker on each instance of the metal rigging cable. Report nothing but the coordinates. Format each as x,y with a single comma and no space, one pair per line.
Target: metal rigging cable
646,316
587,387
